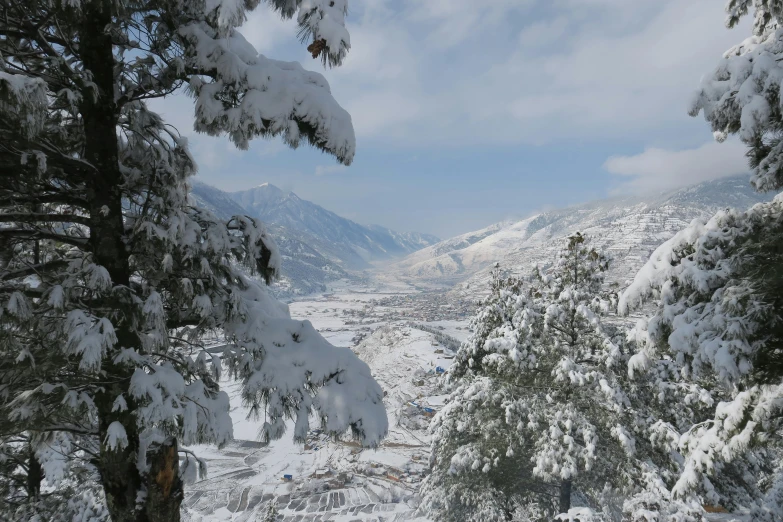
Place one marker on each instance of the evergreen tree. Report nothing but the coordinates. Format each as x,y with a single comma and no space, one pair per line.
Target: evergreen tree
109,277
271,513
716,327
742,95
699,351
538,412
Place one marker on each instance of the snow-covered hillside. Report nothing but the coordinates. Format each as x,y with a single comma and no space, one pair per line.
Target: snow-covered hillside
630,228
308,264
367,243
418,262
317,246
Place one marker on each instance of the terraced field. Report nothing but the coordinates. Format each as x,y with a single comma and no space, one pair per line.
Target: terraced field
332,479
247,475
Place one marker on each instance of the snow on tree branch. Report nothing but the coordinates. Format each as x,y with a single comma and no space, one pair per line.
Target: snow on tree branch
254,95
705,337
742,95
706,312
322,22
24,99
283,362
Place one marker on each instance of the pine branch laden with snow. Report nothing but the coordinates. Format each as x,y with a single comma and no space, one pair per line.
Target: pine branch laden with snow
742,95
268,97
323,23
54,469
475,472
712,346
110,278
244,94
699,349
541,403
26,97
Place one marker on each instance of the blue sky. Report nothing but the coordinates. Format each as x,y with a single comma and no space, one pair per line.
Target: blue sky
467,113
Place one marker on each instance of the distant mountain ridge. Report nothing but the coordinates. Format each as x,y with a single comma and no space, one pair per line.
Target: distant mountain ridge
317,245
304,269
369,243
630,228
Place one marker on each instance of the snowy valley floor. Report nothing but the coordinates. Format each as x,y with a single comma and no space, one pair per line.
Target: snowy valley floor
405,335
337,480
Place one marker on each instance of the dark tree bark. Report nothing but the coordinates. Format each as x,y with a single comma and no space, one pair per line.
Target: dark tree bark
121,479
34,476
164,487
565,495
119,473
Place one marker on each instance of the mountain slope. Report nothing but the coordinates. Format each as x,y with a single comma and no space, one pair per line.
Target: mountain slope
305,268
410,241
444,259
630,228
359,243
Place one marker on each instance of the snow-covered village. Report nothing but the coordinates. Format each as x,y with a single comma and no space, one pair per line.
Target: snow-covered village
426,261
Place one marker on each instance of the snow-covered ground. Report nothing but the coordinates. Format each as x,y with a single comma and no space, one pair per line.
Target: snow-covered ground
335,479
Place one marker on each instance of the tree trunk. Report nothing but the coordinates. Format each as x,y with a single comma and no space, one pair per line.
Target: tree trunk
129,496
164,486
34,476
120,477
565,495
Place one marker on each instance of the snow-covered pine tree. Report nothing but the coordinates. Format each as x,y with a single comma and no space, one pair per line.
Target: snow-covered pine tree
717,323
538,411
40,439
109,277
700,349
742,95
469,434
270,512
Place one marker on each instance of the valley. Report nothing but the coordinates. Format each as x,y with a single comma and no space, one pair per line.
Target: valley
326,479
319,248
407,336
406,319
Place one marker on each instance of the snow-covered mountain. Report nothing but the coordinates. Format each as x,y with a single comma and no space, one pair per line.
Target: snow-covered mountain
314,252
366,243
305,268
630,228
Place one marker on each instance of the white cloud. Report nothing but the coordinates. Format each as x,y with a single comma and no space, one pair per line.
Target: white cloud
661,169
447,74
544,33
322,170
457,72
452,22
267,31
